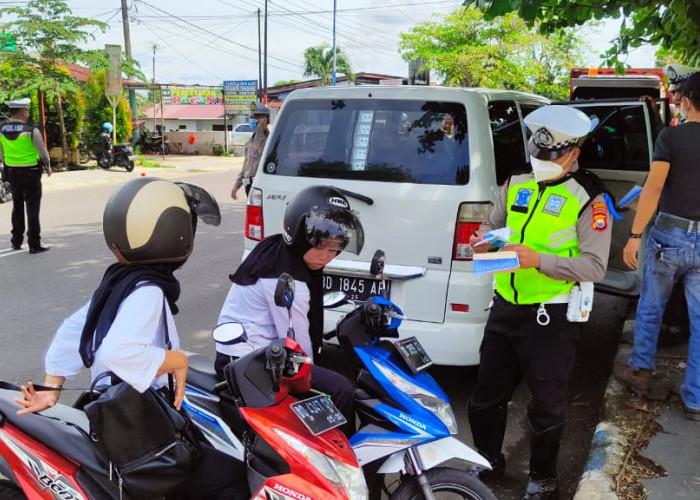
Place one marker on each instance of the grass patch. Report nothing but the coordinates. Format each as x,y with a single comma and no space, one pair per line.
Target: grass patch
143,162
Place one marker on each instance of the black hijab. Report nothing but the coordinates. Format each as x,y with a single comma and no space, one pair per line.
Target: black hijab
118,282
272,257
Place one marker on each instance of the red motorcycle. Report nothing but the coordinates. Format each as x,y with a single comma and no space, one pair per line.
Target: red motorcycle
293,449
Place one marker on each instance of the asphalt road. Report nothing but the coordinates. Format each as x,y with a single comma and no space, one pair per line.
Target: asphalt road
38,291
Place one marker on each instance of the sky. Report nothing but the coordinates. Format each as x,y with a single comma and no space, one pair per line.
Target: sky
208,41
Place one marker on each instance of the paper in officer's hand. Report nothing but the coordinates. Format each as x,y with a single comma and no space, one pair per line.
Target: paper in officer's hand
492,262
497,238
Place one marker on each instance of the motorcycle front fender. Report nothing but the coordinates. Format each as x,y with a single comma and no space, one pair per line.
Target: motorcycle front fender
434,453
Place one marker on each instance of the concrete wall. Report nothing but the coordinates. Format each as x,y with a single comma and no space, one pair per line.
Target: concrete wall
205,143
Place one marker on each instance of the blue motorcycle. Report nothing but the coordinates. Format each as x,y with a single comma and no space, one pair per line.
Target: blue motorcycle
406,421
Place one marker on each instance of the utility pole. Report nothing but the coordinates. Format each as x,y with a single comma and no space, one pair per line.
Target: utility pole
259,60
127,47
154,47
334,9
265,75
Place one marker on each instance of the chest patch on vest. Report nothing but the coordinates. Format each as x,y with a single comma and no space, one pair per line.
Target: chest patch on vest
522,200
554,205
600,215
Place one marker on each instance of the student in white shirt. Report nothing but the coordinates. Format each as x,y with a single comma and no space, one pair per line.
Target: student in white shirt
318,225
149,224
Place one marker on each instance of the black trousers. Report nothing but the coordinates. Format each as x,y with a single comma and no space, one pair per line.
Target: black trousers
516,346
25,184
336,385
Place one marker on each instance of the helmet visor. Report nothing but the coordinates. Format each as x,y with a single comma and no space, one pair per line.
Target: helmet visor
334,229
202,203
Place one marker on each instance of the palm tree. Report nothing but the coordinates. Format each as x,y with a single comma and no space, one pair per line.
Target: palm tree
318,61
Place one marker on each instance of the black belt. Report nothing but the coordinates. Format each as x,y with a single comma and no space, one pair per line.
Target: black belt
666,221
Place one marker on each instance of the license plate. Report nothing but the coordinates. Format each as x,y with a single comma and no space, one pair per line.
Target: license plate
318,414
354,288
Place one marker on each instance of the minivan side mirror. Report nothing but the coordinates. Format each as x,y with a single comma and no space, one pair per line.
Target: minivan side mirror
229,333
377,265
284,292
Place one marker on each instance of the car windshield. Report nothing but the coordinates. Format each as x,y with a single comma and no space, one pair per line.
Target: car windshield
421,142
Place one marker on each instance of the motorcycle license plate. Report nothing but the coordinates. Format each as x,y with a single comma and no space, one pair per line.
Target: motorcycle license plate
413,354
318,414
354,288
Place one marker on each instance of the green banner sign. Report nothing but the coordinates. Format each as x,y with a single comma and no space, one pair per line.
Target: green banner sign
8,42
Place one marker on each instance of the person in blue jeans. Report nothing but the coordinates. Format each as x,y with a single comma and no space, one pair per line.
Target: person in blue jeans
672,250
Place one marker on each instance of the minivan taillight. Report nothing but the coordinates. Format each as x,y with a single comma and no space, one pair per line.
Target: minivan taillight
254,216
469,218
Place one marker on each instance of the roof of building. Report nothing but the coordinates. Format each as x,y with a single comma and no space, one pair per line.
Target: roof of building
81,74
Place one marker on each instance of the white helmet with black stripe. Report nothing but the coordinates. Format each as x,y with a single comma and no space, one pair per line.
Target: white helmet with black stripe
149,220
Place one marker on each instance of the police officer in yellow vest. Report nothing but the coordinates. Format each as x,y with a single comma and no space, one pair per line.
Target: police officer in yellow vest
24,155
561,233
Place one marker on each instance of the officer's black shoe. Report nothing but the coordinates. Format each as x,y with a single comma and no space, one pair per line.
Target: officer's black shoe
39,248
16,247
498,469
545,489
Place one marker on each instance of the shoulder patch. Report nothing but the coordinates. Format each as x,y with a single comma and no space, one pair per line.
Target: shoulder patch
600,215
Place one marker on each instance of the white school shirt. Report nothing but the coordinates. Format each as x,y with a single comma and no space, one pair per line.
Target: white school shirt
134,347
254,307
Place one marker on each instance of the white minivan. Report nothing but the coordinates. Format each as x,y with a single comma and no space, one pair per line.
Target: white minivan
421,166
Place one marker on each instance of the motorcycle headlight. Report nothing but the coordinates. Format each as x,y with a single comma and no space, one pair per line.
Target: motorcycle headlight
436,405
342,475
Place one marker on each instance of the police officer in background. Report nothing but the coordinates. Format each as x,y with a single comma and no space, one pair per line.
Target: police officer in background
561,233
259,122
24,155
677,74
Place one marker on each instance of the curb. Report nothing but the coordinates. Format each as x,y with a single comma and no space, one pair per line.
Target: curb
608,444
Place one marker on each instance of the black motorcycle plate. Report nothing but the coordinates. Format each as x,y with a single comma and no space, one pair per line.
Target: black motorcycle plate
413,354
318,414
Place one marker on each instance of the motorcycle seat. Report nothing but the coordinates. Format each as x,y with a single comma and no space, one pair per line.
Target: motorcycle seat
201,373
61,428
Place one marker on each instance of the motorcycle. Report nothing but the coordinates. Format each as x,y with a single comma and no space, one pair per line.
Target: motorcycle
121,155
5,190
406,422
154,144
291,445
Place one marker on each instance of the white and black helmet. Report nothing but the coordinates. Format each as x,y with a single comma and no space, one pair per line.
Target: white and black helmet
326,217
149,220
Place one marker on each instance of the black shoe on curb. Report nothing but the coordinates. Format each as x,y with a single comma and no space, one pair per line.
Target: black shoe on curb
545,489
498,469
38,249
17,247
691,413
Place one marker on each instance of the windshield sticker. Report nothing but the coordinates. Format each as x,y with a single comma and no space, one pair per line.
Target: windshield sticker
554,205
270,168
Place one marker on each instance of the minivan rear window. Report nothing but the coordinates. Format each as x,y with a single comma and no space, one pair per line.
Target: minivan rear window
420,142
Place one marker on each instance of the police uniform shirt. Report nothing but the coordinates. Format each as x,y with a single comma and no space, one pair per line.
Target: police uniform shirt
252,156
254,307
37,140
594,244
134,347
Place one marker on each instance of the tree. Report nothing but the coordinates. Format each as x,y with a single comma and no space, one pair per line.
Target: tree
99,110
318,61
48,36
465,50
674,25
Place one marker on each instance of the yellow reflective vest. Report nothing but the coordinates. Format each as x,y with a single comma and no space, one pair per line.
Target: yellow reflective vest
18,145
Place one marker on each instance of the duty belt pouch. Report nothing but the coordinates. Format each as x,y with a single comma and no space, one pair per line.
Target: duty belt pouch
580,302
152,447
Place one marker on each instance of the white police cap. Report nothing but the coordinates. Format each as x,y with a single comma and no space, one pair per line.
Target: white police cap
19,103
258,108
677,74
555,130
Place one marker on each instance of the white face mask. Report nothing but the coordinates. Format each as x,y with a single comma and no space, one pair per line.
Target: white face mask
544,170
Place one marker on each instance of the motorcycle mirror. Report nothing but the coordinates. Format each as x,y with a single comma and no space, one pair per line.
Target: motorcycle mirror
284,292
229,334
334,299
202,203
377,265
